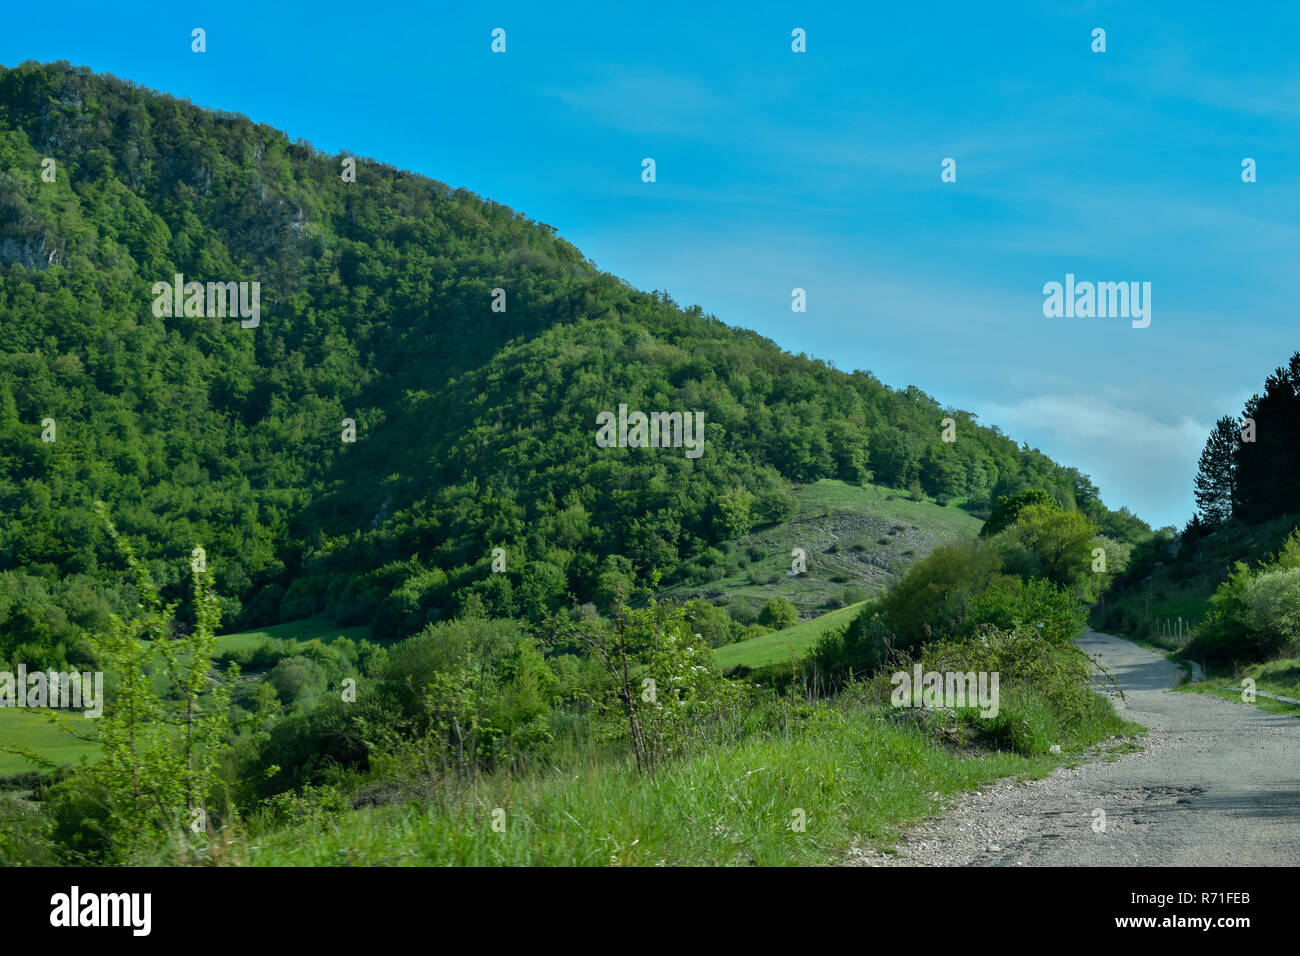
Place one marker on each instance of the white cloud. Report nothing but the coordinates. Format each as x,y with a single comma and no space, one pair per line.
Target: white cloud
1137,458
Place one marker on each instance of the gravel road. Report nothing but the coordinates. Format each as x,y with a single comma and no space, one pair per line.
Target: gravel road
1217,784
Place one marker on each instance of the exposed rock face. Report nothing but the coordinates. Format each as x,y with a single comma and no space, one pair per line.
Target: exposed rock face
30,251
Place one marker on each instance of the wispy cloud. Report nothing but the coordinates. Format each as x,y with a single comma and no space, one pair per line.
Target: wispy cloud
647,103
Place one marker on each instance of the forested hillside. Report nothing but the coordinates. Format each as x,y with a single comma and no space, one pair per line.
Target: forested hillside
474,426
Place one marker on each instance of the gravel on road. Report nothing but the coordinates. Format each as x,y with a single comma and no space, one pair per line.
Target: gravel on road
1217,783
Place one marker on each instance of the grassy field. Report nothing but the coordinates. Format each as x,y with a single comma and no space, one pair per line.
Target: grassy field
32,730
303,630
857,540
784,645
855,778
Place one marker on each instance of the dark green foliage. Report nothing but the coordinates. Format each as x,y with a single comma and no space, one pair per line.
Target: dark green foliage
475,429
1216,473
1266,469
1010,506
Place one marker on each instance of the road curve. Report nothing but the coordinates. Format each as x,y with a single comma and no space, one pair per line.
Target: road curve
1218,784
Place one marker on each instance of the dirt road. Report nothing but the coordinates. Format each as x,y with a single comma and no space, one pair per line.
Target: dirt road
1218,784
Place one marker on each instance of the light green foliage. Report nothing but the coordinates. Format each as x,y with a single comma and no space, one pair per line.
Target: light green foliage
778,613
665,685
1050,543
1254,613
711,622
476,695
1287,556
161,746
1270,608
1009,507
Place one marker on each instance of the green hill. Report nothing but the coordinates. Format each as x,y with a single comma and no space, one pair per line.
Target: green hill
856,542
471,349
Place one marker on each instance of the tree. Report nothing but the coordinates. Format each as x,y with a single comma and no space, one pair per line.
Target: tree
1216,475
161,747
1266,467
1010,506
1058,544
895,457
777,614
665,682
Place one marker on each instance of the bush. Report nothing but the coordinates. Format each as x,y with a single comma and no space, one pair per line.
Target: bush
79,818
266,654
1270,610
742,612
1024,723
932,597
296,678
1255,616
1009,602
777,614
711,623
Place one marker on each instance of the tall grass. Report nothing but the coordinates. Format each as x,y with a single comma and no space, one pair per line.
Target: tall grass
850,771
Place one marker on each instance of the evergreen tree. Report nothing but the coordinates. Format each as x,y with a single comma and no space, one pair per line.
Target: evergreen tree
1265,484
1217,473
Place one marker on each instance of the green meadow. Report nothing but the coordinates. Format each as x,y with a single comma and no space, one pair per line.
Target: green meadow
32,729
306,629
785,645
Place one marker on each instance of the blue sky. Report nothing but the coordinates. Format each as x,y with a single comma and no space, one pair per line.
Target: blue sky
821,170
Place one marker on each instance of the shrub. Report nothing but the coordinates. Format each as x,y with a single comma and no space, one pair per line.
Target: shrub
1254,616
742,612
1269,610
777,614
932,597
711,623
296,678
